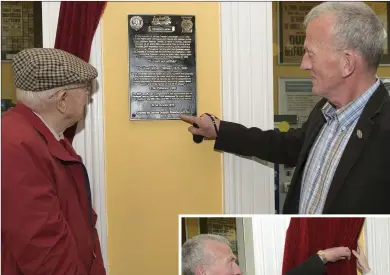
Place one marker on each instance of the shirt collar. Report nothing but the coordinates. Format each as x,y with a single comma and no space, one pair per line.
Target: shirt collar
348,114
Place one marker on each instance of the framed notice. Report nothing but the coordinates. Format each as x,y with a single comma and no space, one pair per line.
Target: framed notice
21,27
162,66
291,31
296,98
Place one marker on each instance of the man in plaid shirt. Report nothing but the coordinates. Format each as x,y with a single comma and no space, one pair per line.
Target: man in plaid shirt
341,154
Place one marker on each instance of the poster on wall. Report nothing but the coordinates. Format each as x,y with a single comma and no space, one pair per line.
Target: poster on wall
21,27
292,33
296,98
162,66
11,16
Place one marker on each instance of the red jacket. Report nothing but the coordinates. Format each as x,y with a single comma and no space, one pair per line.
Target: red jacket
47,220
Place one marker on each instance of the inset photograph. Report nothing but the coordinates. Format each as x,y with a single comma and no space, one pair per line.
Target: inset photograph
282,245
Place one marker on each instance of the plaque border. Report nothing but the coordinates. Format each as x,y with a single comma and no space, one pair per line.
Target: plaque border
129,66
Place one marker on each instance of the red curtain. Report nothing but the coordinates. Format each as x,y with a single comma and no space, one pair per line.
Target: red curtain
76,28
305,236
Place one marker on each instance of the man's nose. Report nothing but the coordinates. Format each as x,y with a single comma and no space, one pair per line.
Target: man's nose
305,63
237,270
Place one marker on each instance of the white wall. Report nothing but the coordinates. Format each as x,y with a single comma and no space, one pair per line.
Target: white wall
378,244
267,239
247,91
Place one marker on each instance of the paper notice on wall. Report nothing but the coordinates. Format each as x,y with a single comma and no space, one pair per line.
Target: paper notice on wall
292,31
296,98
11,19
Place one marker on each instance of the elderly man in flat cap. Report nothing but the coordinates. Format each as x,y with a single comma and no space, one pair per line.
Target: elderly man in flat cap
48,224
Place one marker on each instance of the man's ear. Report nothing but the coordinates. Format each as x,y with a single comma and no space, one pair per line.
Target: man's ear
349,63
62,101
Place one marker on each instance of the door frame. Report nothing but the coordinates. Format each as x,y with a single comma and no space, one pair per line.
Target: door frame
264,243
247,98
377,243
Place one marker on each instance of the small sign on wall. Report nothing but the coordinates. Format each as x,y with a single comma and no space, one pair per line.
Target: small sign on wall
296,97
162,66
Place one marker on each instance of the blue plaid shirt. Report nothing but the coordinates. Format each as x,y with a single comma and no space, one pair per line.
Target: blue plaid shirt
327,150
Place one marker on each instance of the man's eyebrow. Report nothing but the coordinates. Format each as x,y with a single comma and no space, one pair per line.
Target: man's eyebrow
307,50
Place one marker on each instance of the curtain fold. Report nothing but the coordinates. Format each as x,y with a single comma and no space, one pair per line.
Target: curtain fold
77,24
305,236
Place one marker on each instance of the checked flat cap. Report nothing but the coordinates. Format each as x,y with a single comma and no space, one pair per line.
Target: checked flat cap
40,69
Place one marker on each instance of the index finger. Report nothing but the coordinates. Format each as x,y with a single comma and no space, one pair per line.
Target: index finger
188,119
356,254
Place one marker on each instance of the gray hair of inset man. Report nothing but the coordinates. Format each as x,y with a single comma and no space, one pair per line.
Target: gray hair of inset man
194,252
357,27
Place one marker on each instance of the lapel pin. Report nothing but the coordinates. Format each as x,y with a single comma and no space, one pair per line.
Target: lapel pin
359,134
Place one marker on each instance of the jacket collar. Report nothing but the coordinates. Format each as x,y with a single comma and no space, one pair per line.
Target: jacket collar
358,140
55,147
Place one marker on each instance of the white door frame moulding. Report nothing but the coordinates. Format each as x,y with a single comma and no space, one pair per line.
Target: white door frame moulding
89,139
377,243
245,245
247,98
269,235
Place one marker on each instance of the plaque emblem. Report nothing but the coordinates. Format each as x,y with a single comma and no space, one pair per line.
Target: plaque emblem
136,23
187,25
161,20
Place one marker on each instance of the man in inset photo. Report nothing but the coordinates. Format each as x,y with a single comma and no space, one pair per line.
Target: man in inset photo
208,254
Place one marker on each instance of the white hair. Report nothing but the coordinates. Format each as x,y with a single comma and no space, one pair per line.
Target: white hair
357,27
35,100
194,253
39,100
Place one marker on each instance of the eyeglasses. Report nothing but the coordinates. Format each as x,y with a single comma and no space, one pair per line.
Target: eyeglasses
88,88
